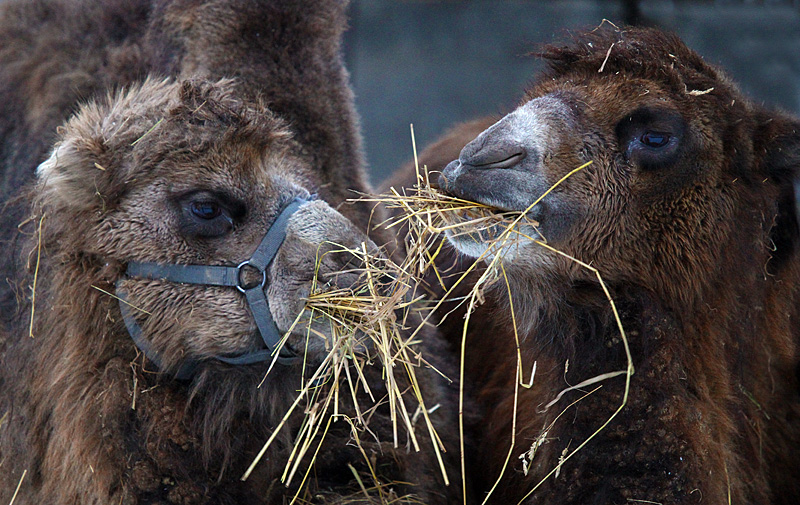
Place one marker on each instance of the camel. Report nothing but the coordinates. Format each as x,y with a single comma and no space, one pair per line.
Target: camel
687,211
181,135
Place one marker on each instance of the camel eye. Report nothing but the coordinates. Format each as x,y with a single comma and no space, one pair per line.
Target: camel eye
652,138
206,210
208,214
655,139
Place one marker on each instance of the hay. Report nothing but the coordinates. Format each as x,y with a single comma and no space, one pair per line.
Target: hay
428,214
368,326
19,485
366,495
148,132
36,273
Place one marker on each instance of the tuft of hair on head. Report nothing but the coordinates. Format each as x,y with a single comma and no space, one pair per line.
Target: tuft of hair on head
117,139
85,171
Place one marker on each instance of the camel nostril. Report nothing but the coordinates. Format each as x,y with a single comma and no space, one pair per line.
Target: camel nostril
504,163
493,153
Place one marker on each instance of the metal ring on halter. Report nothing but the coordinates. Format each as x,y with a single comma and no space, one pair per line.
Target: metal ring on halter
240,285
214,275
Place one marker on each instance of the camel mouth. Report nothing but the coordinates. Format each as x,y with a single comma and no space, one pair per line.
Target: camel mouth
495,204
488,231
504,189
485,233
486,243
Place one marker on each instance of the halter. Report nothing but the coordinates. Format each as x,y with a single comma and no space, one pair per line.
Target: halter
213,275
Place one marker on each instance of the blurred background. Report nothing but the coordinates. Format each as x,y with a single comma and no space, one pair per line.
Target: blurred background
437,63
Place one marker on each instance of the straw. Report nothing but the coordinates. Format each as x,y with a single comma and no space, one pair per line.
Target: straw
365,325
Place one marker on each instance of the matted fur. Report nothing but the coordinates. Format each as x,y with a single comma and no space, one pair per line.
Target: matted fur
701,256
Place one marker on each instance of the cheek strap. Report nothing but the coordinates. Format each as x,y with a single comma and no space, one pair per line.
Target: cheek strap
213,275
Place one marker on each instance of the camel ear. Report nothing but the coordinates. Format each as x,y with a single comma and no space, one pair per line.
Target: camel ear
71,176
53,172
779,141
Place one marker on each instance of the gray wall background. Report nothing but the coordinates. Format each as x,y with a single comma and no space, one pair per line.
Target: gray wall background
436,63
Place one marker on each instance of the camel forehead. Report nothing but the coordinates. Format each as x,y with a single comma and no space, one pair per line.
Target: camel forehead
604,100
236,164
645,53
612,72
188,152
185,133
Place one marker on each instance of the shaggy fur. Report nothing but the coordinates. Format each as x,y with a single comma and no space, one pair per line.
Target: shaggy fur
116,190
698,243
82,412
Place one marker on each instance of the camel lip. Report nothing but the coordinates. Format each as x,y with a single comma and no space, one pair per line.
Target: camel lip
503,189
488,201
479,244
528,225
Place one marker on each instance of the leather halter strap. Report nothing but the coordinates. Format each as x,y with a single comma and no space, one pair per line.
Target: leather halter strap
214,275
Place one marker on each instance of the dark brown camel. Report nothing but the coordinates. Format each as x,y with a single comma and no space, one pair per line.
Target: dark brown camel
688,213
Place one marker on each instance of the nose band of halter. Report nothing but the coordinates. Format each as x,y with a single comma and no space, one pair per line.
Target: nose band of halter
212,275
